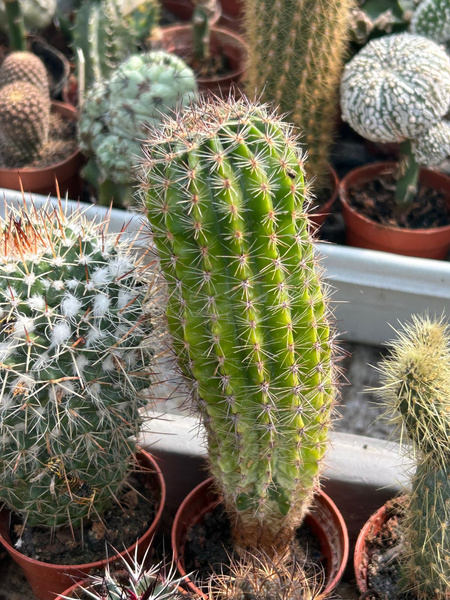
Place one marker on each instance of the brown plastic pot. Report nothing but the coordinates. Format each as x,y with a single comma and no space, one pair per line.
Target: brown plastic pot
325,521
47,579
361,557
318,218
365,233
178,40
184,9
42,180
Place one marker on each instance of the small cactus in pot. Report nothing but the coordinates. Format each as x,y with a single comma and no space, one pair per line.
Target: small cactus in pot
397,89
117,112
416,378
225,196
75,359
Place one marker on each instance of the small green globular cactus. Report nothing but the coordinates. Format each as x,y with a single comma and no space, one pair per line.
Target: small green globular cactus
75,359
431,19
37,14
24,122
416,388
24,66
225,197
116,113
109,31
397,89
296,58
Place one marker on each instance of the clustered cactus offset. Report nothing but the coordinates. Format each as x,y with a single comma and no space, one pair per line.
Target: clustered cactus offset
109,30
432,20
75,356
297,52
24,66
116,113
247,311
397,89
416,378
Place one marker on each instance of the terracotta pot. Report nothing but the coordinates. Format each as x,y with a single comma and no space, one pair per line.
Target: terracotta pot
47,579
325,521
318,216
42,180
178,40
371,528
365,233
183,10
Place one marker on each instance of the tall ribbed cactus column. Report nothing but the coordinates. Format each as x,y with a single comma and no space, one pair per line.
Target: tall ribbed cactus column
248,315
417,390
297,51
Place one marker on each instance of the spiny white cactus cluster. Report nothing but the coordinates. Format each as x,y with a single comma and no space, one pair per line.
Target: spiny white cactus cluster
432,20
397,88
75,363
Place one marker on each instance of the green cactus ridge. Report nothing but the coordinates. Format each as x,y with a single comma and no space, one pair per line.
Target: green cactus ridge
416,389
432,20
24,66
247,312
396,88
117,112
109,30
24,122
297,51
76,344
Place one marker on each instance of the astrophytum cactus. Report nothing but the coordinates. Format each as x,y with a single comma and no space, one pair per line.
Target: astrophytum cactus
75,355
432,20
397,89
416,378
248,314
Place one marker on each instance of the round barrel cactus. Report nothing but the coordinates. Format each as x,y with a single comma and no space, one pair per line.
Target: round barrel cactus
226,200
117,113
416,379
75,354
24,66
432,20
397,89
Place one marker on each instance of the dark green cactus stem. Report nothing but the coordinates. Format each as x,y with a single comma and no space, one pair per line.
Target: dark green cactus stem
16,26
416,387
297,51
226,200
201,34
408,176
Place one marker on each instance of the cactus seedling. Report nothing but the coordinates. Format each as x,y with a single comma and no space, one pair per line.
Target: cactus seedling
297,51
75,356
397,89
416,378
117,113
248,314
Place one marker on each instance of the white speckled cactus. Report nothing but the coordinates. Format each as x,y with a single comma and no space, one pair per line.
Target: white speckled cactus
37,14
432,20
117,113
397,89
75,361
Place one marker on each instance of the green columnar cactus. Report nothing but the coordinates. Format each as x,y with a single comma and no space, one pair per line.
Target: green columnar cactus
432,20
14,21
397,89
75,350
24,66
117,113
248,315
297,51
109,30
37,14
24,122
416,379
